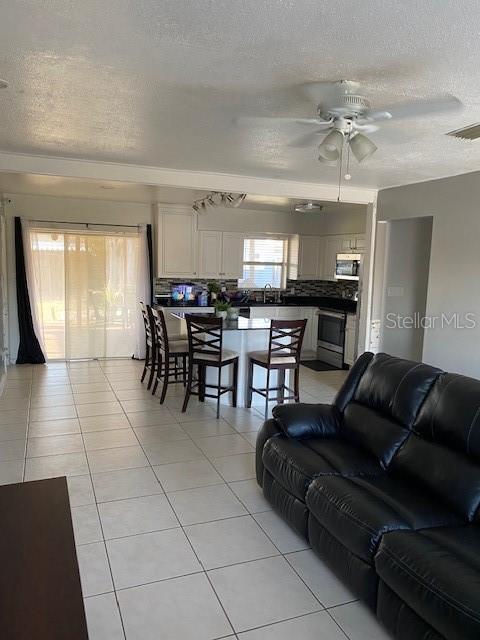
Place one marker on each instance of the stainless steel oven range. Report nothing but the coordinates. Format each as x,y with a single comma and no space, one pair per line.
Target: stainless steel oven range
331,336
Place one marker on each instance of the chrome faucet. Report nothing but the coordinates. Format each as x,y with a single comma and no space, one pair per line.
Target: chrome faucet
265,292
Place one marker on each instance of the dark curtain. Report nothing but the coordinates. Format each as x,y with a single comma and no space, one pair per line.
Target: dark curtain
29,348
150,259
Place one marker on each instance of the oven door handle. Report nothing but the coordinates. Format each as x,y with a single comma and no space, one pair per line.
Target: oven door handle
331,314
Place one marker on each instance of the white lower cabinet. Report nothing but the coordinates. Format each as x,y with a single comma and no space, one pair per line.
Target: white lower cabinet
350,339
176,326
293,313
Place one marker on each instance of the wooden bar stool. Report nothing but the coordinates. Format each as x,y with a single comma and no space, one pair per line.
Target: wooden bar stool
150,345
284,349
205,349
168,355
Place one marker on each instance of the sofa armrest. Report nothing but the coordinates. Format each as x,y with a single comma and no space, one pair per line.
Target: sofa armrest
268,430
307,420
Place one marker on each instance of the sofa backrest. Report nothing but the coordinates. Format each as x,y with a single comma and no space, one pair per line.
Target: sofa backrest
385,403
444,452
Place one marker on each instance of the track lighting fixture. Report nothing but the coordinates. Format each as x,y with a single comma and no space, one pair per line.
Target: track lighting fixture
219,199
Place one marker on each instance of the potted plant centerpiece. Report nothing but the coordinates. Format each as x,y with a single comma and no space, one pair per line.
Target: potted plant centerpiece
221,309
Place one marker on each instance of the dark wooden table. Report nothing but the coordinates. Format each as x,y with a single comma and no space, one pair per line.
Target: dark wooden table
40,592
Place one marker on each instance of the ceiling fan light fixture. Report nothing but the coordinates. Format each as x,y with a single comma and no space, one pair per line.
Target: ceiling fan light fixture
306,207
362,147
330,149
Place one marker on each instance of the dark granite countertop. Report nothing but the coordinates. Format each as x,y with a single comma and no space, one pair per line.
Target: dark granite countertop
241,324
322,302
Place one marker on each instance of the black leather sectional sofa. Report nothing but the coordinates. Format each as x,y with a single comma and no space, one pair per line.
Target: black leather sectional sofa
385,484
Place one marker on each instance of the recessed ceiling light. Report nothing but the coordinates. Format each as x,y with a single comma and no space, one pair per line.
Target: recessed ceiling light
3,84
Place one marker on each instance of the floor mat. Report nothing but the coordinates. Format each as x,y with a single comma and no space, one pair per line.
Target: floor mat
318,365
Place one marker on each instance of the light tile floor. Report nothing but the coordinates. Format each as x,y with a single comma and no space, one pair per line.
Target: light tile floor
174,538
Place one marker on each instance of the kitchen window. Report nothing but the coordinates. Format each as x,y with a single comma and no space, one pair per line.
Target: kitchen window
264,262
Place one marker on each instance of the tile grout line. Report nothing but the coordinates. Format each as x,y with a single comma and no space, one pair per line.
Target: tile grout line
101,528
189,542
24,470
280,554
225,482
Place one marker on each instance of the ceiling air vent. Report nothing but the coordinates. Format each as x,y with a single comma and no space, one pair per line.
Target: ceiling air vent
472,132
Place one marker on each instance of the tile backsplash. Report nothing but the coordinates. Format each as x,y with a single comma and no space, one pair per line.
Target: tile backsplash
300,287
323,288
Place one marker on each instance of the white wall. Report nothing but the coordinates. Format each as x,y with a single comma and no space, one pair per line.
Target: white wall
405,285
61,210
349,220
323,223
454,281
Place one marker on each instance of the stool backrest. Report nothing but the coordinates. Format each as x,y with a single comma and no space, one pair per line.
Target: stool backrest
148,322
160,328
205,337
286,338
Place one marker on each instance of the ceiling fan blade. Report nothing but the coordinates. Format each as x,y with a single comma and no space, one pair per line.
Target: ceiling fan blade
415,108
307,140
272,120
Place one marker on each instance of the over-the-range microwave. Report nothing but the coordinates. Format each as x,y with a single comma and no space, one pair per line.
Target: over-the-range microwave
347,266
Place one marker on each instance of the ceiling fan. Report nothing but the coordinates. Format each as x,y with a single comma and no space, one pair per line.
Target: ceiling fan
345,112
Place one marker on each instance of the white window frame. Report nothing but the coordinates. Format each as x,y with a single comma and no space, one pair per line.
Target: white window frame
284,265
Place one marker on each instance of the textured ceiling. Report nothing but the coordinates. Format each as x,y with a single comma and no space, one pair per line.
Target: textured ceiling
159,83
32,184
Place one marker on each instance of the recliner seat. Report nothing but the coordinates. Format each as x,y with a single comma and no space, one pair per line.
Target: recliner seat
396,456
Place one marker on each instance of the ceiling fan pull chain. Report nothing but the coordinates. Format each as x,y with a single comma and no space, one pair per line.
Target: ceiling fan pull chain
347,173
340,171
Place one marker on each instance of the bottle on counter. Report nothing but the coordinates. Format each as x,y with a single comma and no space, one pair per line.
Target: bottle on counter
203,298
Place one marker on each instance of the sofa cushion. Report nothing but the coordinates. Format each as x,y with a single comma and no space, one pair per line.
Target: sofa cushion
359,511
437,573
350,384
294,463
451,414
374,432
395,387
452,477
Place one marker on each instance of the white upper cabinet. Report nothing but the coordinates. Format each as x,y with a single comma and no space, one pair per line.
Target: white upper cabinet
210,254
354,243
310,257
232,255
332,246
360,242
220,254
177,242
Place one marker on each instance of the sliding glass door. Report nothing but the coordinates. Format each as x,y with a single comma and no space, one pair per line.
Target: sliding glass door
86,292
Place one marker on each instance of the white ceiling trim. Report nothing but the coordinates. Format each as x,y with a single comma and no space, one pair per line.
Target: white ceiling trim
157,176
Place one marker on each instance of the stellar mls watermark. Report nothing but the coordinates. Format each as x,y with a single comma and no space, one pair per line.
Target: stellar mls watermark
453,320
